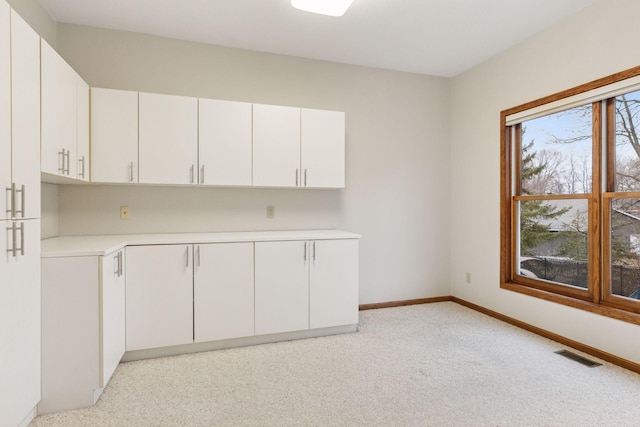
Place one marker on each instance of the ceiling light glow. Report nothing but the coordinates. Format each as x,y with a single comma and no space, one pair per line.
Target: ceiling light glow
323,7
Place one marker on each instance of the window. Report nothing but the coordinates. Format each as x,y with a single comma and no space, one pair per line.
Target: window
570,199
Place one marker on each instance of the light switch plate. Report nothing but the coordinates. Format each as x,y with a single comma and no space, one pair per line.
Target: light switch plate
271,211
124,212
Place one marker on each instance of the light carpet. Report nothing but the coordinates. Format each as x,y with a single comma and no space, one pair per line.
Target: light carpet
424,365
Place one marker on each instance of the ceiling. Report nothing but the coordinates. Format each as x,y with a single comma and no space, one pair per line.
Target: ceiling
435,37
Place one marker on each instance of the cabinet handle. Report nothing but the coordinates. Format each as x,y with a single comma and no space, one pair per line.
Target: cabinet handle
68,163
61,155
22,196
202,174
12,249
187,256
22,238
131,172
81,162
305,251
192,167
11,210
314,251
116,265
305,177
296,177
198,255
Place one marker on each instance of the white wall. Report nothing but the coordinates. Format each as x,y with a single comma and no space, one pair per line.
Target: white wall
600,40
397,134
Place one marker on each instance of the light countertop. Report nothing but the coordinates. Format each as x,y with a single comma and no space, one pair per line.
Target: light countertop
105,244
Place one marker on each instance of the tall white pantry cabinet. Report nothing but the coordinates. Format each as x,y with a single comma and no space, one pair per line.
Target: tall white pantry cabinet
19,219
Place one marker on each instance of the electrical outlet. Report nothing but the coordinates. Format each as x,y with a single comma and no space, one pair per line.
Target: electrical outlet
124,212
468,277
271,211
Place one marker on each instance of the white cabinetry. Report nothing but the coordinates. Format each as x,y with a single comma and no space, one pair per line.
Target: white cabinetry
333,283
65,118
276,146
224,146
82,130
159,296
322,148
168,139
223,291
282,287
83,328
295,147
114,136
20,247
305,284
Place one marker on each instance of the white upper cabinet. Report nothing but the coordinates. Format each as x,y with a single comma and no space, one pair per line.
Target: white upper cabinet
114,136
322,148
224,147
25,121
5,107
168,139
82,130
276,146
59,114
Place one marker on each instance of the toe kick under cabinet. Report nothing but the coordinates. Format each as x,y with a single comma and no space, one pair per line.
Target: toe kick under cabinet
111,298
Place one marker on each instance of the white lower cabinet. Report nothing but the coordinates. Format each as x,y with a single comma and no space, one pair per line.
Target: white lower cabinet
159,296
83,328
282,287
223,291
306,285
19,320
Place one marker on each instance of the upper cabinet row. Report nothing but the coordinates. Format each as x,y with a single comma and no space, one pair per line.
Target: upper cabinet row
164,139
65,118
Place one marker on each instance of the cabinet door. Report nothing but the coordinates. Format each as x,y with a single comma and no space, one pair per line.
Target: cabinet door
5,107
59,114
223,291
168,143
333,283
322,146
281,287
276,146
70,332
224,149
113,313
82,129
25,113
159,294
19,323
114,136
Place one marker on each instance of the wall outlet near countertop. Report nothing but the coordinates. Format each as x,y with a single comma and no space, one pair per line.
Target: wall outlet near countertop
124,212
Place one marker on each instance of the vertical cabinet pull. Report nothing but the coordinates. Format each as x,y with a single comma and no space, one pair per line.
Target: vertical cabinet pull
81,162
12,249
131,172
65,161
118,264
305,177
11,210
61,161
192,167
21,249
187,256
314,251
23,195
198,256
202,174
305,251
297,177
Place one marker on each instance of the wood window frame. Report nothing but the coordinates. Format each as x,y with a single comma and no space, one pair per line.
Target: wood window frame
597,298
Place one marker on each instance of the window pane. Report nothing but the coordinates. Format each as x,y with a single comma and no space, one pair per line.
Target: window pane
627,113
553,241
625,247
556,153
